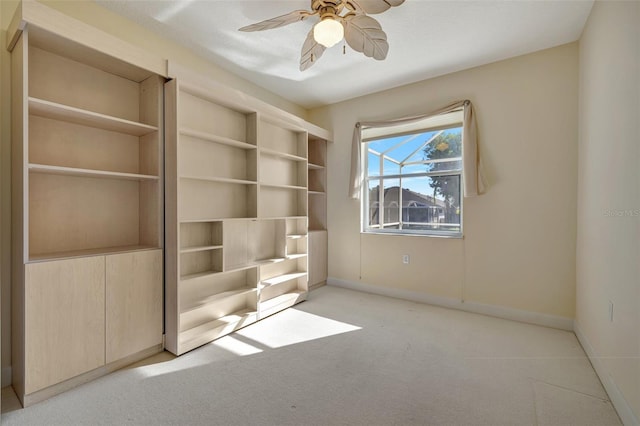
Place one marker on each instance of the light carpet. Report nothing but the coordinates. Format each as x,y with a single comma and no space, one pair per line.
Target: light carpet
349,358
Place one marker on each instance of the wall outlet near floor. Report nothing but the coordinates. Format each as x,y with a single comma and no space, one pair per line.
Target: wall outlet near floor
405,259
610,311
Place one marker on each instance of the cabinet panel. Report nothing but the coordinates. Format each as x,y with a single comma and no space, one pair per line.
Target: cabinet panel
317,257
133,303
64,320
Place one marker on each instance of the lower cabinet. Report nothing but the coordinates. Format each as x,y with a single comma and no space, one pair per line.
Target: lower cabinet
85,313
64,320
134,303
317,258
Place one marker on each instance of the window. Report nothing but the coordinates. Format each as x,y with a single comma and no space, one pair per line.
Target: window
413,180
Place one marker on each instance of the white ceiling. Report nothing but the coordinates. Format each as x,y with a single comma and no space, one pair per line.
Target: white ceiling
427,39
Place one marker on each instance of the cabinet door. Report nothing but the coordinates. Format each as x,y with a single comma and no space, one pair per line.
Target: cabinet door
134,302
317,257
64,320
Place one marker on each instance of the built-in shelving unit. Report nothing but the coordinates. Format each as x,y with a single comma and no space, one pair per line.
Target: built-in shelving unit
237,214
87,202
317,206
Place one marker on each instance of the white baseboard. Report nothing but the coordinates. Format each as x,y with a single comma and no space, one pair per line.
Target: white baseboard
617,398
6,377
475,307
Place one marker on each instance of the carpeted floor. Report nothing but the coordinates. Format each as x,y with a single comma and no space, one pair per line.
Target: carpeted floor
349,358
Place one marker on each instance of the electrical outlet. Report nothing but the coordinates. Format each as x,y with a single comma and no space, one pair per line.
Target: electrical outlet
610,311
405,259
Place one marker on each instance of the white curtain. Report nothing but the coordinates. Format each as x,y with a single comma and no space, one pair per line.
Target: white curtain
474,182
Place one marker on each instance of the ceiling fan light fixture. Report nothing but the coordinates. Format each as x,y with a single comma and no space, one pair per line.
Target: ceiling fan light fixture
328,32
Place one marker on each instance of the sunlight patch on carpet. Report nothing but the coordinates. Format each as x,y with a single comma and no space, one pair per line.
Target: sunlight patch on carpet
293,326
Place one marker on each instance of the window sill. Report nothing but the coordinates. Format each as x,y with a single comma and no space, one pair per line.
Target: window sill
455,236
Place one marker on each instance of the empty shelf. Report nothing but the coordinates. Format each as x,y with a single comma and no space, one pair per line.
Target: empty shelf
283,278
286,155
83,117
214,298
73,171
198,248
208,331
216,139
221,179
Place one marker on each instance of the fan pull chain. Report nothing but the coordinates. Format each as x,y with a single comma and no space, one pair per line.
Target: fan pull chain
344,48
312,58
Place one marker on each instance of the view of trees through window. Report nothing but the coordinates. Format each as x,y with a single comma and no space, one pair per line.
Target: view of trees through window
414,183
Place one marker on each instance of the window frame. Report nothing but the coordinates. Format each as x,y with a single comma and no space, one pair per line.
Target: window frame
365,227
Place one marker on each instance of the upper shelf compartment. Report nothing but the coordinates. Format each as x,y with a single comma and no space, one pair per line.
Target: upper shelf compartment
283,139
56,32
210,120
74,115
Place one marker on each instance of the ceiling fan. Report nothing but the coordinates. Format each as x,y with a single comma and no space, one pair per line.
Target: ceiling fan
338,19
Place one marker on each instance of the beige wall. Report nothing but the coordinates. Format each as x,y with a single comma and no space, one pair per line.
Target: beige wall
89,12
608,254
518,249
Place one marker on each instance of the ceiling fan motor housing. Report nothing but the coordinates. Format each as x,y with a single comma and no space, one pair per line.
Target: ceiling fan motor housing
327,8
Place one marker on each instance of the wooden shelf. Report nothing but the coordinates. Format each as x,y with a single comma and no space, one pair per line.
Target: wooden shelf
221,180
278,303
296,236
210,330
216,139
296,256
40,257
214,298
261,262
317,193
270,185
315,166
198,248
190,277
226,219
72,171
83,117
283,278
280,154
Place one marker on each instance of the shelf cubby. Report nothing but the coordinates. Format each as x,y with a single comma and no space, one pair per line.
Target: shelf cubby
253,242
281,139
196,236
193,263
207,290
82,209
285,280
281,171
276,201
296,246
202,199
317,180
203,115
206,160
317,149
210,330
67,145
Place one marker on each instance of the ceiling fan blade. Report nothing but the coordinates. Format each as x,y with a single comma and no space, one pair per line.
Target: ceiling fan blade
279,21
311,52
373,6
364,34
